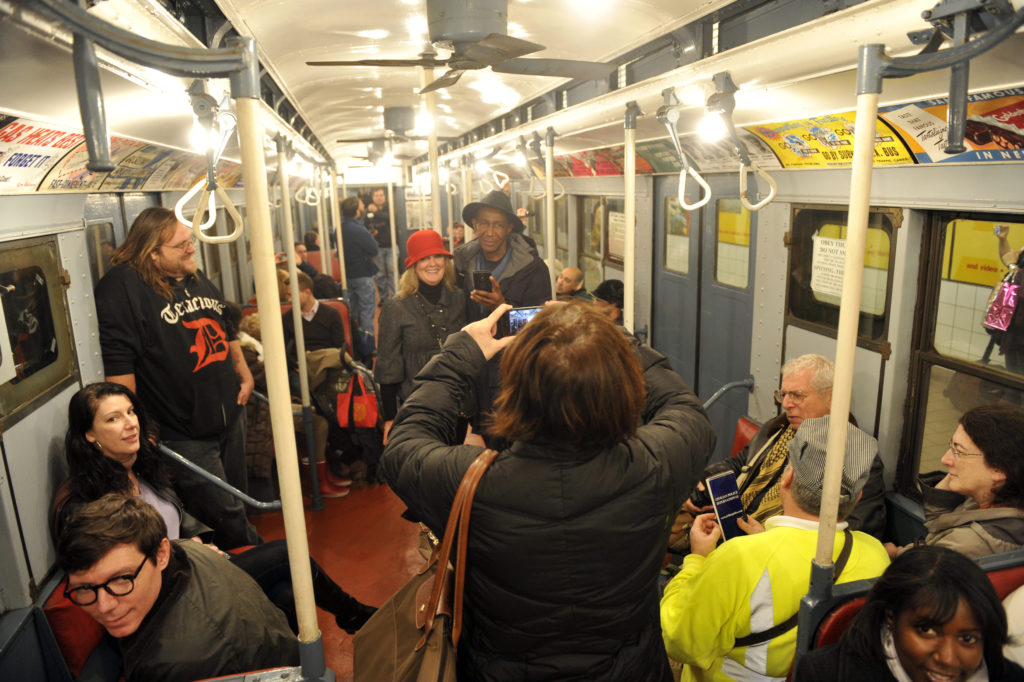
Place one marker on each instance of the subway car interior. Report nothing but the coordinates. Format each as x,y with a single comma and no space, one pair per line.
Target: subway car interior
701,151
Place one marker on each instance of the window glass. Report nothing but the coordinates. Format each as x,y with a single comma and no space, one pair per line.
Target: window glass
29,321
732,244
592,240
100,245
677,237
976,256
35,351
616,230
817,259
949,395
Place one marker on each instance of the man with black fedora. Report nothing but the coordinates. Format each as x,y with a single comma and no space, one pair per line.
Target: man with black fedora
515,273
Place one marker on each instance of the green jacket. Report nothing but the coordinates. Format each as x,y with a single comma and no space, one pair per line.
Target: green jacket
210,619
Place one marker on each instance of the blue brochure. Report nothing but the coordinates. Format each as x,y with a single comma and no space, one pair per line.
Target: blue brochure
725,498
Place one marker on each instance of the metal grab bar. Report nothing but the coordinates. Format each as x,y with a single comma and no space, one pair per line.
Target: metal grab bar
220,483
208,205
747,383
772,186
689,170
308,195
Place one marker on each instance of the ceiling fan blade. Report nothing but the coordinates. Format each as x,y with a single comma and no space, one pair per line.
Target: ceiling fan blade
495,48
450,78
434,63
564,68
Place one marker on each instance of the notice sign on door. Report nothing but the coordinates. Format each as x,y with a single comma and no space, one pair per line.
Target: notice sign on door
827,266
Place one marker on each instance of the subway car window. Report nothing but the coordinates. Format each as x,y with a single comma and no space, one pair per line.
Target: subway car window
677,237
977,256
615,231
971,350
100,243
950,393
592,211
817,258
35,352
732,244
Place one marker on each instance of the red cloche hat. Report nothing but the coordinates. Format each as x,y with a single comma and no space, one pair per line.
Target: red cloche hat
423,243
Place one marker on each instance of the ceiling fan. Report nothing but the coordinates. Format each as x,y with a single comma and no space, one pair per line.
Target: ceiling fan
475,31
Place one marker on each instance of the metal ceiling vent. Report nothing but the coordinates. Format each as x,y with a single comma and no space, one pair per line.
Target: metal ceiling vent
399,119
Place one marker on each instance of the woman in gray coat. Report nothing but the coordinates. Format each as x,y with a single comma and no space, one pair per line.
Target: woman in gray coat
414,324
977,507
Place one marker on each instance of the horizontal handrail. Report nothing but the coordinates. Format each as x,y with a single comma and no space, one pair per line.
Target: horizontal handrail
273,505
747,383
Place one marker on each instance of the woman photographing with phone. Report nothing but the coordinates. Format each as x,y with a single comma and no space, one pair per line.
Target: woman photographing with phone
415,323
568,528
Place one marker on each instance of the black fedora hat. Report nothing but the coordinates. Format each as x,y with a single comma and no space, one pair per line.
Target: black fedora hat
496,199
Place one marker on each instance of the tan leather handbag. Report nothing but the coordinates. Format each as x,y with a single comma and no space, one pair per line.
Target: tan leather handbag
413,637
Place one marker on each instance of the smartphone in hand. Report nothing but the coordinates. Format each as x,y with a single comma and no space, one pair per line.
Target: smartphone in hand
482,281
518,317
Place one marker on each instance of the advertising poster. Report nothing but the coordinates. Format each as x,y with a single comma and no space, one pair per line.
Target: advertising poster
135,169
972,251
721,156
29,149
70,173
994,130
827,141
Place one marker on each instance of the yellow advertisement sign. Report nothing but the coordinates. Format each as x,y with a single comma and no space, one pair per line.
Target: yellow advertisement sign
972,250
733,223
827,141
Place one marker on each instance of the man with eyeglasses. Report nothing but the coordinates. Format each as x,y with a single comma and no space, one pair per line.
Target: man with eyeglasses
165,334
513,272
178,610
805,393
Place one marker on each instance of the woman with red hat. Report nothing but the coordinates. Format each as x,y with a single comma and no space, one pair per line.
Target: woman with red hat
414,324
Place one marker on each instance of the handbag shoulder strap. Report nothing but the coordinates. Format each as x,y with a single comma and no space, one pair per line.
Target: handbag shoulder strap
457,526
790,623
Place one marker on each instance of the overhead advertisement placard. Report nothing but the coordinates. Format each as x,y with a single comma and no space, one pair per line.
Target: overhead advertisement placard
827,141
28,149
994,130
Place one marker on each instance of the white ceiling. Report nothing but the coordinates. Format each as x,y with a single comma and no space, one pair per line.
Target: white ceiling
343,102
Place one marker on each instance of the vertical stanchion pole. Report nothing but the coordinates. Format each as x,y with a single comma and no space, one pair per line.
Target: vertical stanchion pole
250,133
395,248
336,223
629,199
549,206
300,337
467,192
326,266
864,134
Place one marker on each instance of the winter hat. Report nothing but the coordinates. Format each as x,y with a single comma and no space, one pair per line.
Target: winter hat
423,243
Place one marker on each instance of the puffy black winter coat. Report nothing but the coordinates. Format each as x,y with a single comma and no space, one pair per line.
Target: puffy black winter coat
565,545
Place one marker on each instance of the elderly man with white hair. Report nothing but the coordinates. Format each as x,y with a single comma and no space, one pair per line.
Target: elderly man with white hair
805,393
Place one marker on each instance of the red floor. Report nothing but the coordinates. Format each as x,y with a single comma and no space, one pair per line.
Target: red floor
364,544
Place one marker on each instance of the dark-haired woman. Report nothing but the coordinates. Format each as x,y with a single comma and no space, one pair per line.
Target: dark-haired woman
933,616
414,324
977,507
570,523
109,448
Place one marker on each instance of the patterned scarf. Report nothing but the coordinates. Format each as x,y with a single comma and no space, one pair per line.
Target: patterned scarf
771,503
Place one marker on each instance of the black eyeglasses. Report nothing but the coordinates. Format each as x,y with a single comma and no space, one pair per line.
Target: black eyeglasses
118,586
